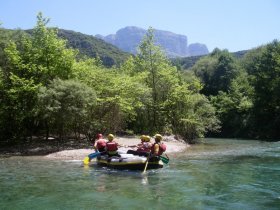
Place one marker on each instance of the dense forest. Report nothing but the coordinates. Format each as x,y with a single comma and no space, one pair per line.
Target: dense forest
48,89
184,63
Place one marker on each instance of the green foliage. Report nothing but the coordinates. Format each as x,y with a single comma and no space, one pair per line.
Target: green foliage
249,61
266,83
173,104
159,76
228,85
216,71
250,106
191,114
240,54
234,108
118,100
46,88
5,37
17,107
3,41
186,62
42,56
67,107
32,61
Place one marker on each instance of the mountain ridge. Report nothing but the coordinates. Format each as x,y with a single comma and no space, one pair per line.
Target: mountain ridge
91,46
175,45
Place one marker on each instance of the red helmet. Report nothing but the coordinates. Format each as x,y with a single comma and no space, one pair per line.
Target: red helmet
99,136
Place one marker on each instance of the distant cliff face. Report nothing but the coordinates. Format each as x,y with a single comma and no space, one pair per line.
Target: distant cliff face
197,49
175,45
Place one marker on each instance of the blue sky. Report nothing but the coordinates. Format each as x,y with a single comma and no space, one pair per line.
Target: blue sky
227,24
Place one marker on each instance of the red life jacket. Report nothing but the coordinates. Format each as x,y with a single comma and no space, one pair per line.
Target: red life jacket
162,148
100,144
111,146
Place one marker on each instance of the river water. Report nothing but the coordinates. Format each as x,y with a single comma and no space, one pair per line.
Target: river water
219,174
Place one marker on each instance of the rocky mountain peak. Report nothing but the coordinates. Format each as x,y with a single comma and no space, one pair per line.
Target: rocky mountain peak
175,45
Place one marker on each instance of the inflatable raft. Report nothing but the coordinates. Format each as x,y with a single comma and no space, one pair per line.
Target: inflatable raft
128,161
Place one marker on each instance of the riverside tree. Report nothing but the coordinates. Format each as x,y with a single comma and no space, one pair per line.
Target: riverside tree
160,77
216,71
265,72
119,95
66,106
174,104
33,61
234,107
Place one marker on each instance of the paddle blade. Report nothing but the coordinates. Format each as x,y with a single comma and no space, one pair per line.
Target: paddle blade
164,159
86,160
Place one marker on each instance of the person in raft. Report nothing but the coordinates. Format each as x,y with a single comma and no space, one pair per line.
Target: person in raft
158,148
100,143
112,146
142,138
144,148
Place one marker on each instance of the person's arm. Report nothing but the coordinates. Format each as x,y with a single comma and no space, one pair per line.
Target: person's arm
120,145
139,145
95,146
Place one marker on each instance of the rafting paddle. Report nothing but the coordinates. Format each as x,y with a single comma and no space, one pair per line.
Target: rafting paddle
147,161
90,157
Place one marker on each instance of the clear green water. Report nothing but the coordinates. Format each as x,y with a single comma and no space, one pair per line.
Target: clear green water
221,174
